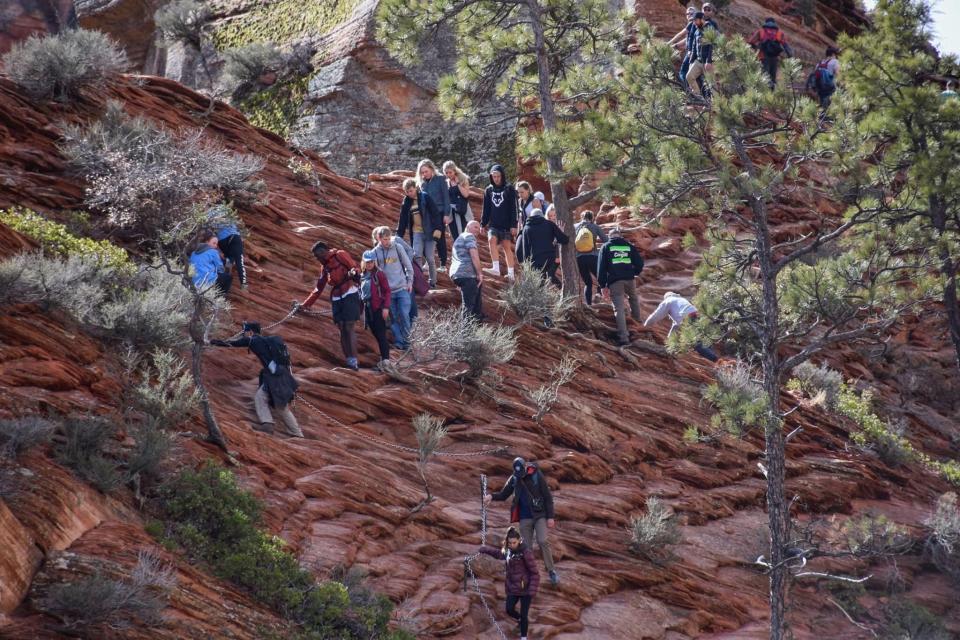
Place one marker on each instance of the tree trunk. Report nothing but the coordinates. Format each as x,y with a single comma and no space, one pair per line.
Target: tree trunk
568,254
214,434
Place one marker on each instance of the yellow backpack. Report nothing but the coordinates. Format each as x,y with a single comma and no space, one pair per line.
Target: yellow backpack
585,242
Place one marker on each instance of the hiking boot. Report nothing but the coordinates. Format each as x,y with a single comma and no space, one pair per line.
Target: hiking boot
554,578
294,434
383,365
264,427
353,364
491,271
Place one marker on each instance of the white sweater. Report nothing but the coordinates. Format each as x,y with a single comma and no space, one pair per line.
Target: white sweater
676,307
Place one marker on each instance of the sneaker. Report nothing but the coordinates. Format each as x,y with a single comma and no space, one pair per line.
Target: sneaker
382,365
554,578
352,364
441,269
264,427
511,277
491,271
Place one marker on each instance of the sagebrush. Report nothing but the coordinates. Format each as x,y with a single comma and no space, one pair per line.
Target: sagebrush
19,434
429,431
655,530
531,296
546,395
943,539
451,336
246,65
820,383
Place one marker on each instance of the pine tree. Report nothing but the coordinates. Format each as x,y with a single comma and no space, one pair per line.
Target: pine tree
777,295
909,137
549,59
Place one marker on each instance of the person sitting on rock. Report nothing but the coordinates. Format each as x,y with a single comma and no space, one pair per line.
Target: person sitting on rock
340,271
277,386
522,578
679,309
206,265
618,264
532,507
375,293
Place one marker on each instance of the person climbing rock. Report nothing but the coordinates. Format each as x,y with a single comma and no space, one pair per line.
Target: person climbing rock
521,579
430,181
206,265
277,386
587,239
701,61
618,264
339,271
770,43
532,507
678,309
538,243
229,241
375,294
500,219
395,262
458,186
685,37
466,272
823,80
420,215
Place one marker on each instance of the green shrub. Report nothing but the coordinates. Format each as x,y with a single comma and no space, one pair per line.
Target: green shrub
652,532
149,313
56,239
217,522
58,66
820,383
875,433
182,21
246,65
739,401
875,536
150,451
907,620
532,296
165,394
19,434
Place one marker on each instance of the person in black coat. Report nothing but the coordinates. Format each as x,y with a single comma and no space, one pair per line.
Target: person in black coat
277,385
538,243
499,219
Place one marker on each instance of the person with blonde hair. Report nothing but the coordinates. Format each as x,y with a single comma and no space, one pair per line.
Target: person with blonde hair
431,182
458,186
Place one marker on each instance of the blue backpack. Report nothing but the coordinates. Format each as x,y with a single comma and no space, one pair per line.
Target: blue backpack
823,77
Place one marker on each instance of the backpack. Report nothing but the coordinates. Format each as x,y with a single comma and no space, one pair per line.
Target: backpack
823,77
770,44
421,286
585,242
277,349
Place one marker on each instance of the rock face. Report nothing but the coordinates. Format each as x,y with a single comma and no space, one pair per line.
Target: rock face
129,22
21,18
341,497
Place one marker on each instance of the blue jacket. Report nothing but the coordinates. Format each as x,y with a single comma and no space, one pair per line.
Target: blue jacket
206,264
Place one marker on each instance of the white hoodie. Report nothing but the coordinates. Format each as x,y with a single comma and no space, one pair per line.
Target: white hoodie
677,307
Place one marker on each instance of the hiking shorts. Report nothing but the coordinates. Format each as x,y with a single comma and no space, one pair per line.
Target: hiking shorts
501,235
347,308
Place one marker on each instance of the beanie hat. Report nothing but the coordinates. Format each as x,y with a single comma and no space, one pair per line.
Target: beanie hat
770,22
251,326
698,15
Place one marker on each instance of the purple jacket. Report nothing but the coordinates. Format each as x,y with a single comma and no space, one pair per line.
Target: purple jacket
523,578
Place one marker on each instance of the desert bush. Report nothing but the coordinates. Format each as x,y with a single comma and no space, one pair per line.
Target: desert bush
150,451
739,400
943,539
907,620
83,451
54,238
150,313
875,434
77,285
217,522
653,531
19,434
246,65
449,335
145,177
820,383
165,394
182,21
118,603
546,395
59,66
532,296
429,431
874,536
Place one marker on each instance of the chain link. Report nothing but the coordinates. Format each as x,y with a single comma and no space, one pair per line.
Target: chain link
483,508
468,569
295,308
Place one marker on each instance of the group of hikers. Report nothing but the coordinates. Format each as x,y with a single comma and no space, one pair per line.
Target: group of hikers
697,39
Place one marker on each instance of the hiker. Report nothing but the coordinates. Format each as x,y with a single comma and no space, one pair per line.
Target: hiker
522,578
466,272
948,93
685,37
375,294
229,241
430,181
679,309
587,239
207,265
500,219
769,42
529,200
532,507
277,386
420,215
701,61
538,243
339,271
395,262
618,264
458,186
823,80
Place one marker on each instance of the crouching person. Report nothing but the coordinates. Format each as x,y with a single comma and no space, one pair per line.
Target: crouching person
277,386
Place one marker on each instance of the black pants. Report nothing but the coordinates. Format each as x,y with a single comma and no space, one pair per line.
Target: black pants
587,265
771,65
442,246
232,248
378,327
224,280
523,615
471,294
458,224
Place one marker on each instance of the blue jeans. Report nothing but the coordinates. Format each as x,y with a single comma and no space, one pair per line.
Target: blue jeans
684,67
424,246
400,312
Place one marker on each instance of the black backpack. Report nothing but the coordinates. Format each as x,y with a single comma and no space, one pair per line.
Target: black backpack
277,350
770,47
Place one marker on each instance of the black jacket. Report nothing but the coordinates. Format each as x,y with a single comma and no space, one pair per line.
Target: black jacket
536,241
618,260
499,204
536,487
430,215
281,386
